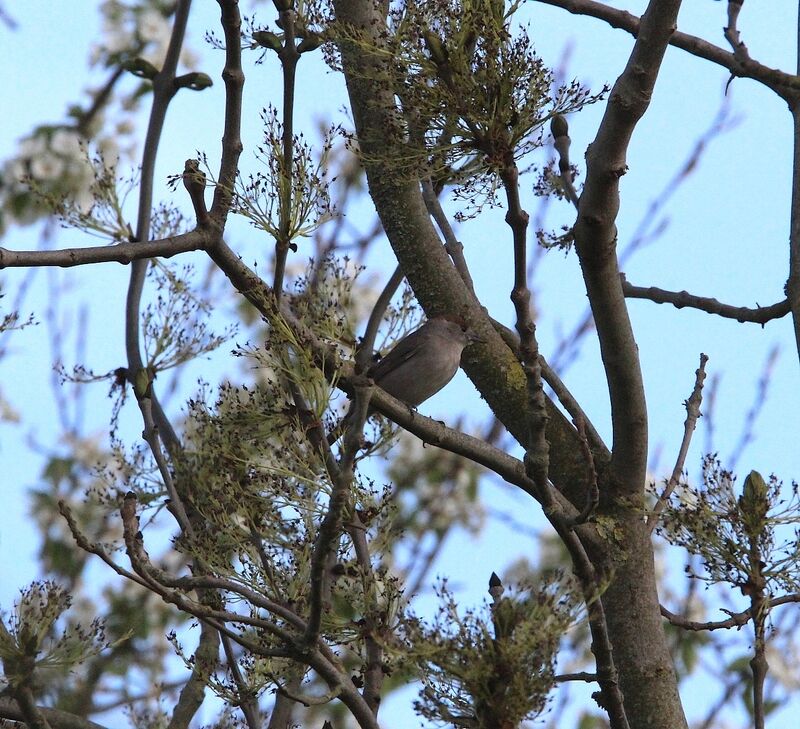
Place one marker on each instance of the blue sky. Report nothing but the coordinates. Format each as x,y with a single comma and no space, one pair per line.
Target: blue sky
727,237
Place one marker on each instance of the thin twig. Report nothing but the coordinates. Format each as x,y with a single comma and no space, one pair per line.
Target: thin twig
680,299
367,344
561,141
692,415
150,434
592,492
289,56
537,449
247,699
124,253
736,620
233,76
580,676
453,246
731,32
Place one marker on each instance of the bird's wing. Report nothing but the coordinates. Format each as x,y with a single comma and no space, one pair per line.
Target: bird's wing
403,351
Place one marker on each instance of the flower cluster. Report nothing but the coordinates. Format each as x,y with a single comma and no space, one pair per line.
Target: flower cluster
141,30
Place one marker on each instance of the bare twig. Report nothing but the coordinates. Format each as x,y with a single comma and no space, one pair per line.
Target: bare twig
87,546
571,405
289,56
680,299
124,253
193,692
164,89
453,246
233,76
580,676
537,449
561,141
593,492
736,620
150,434
731,32
784,84
367,345
692,414
194,180
247,699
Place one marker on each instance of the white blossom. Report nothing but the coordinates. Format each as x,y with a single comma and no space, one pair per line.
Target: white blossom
83,199
32,146
66,142
109,149
47,166
14,173
153,26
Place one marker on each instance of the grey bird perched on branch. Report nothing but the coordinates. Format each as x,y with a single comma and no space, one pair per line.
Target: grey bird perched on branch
423,362
419,365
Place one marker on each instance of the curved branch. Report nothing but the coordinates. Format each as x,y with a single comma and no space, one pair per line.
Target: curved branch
681,299
647,678
692,414
786,85
453,246
596,237
164,90
736,620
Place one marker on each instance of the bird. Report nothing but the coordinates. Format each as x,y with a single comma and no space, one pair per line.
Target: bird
423,362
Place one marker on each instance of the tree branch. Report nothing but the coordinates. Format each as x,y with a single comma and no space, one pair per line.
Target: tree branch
193,692
736,620
125,253
289,56
453,246
233,77
786,85
680,299
57,719
692,414
647,677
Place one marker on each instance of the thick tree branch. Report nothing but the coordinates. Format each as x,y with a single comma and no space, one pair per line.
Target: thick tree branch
596,236
793,283
429,270
647,677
